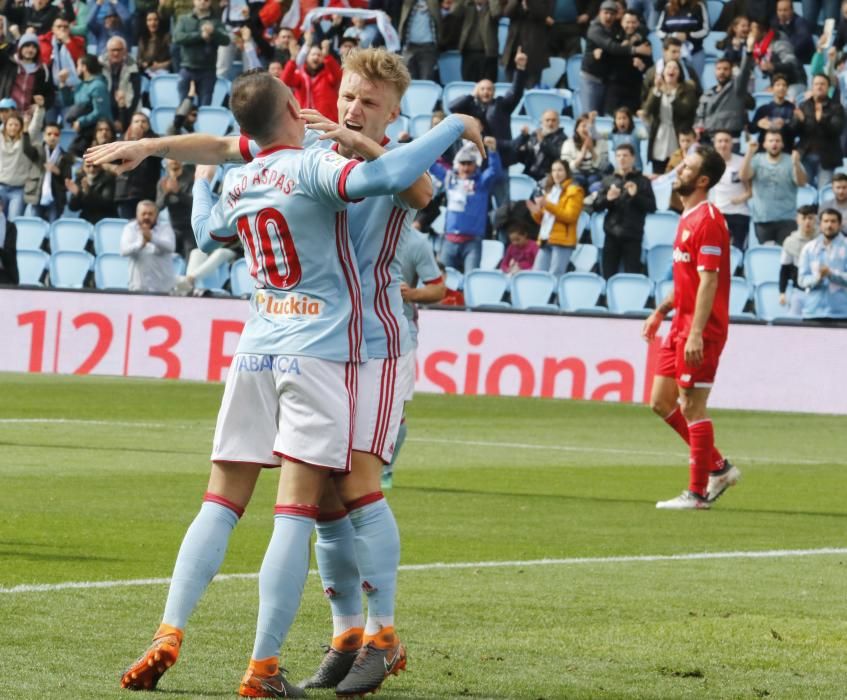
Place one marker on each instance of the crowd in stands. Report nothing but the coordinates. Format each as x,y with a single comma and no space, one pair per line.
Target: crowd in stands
588,108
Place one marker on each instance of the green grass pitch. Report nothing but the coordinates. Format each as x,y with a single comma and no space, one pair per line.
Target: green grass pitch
108,496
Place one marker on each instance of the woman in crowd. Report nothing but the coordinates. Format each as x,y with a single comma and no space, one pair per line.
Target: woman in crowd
154,46
133,186
16,158
558,214
586,154
671,106
735,41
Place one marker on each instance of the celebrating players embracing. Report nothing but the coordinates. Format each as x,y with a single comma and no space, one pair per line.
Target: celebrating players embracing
689,355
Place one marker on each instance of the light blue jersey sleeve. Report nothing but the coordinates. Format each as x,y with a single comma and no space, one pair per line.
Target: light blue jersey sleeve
207,219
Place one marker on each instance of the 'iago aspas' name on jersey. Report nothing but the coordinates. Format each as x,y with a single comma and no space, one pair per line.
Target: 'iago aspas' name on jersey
266,176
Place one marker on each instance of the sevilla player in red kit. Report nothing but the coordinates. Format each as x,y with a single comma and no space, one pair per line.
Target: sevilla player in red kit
688,359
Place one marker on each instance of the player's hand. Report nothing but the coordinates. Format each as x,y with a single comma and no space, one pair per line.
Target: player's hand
316,121
694,350
205,172
472,132
651,326
129,153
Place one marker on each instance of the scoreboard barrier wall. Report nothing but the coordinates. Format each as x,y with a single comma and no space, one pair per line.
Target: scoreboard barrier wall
778,368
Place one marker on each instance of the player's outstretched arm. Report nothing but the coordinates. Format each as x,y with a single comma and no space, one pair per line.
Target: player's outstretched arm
654,320
398,169
187,148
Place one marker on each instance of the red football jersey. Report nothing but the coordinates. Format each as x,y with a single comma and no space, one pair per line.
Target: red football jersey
702,243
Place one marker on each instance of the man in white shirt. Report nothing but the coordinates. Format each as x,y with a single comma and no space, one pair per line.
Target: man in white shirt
730,195
149,246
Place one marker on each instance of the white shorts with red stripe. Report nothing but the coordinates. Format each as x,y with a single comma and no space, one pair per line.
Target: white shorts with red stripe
383,389
290,407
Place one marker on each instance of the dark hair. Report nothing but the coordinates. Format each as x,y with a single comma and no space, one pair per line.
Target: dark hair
831,212
54,125
808,210
839,177
92,65
712,165
255,103
628,112
671,41
824,76
625,147
723,59
577,139
144,32
547,185
721,131
779,76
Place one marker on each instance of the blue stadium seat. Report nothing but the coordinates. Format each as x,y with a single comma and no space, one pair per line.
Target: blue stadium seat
762,264
662,190
762,98
453,91
240,281
710,41
598,235
768,308
31,232
585,257
455,280
221,92
603,125
179,264
663,289
111,271
492,254
574,66
163,91
161,119
568,124
438,223
806,194
420,98
708,75
449,67
31,266
824,195
714,8
68,268
628,293
420,124
660,228
215,280
397,127
660,263
69,234
655,44
521,187
66,138
519,121
736,257
582,223
532,290
551,75
502,35
501,89
485,288
580,291
739,294
536,102
216,121
107,235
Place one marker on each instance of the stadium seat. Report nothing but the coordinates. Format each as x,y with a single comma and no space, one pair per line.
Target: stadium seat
660,263
453,279
655,44
449,69
714,9
420,98
598,235
221,92
214,281
762,98
453,91
567,124
31,232
660,229
574,66
69,234
485,288
521,187
710,41
585,257
603,125
551,75
628,293
520,121
397,127
179,264
31,266
66,138
662,190
766,298
806,194
419,125
736,257
580,291
502,35
492,254
536,102
532,290
438,223
163,91
216,121
69,268
111,271
663,289
762,264
107,235
501,89
824,195
709,80
161,119
240,282
739,294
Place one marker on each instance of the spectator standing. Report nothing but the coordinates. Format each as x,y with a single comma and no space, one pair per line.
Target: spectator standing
529,22
92,193
174,193
522,251
731,193
819,122
822,271
199,35
16,157
625,80
724,106
671,51
775,177
837,199
773,54
734,43
778,114
626,197
45,186
604,44
60,51
468,192
315,84
38,15
478,37
139,184
154,46
23,75
538,150
149,245
570,21
586,154
8,252
796,30
688,20
90,101
557,212
107,19
123,80
671,106
420,32
807,223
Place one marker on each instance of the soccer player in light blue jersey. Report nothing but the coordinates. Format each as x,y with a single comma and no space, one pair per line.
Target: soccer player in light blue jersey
290,393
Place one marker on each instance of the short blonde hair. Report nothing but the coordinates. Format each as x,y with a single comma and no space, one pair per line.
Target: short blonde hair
378,65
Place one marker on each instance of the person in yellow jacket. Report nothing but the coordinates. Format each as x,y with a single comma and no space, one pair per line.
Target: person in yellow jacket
557,212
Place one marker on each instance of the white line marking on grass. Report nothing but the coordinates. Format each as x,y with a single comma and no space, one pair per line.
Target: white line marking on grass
81,421
441,566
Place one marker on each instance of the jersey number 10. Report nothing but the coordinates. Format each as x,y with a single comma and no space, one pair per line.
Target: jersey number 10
266,259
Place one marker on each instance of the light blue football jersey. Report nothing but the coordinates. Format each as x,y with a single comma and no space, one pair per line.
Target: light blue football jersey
288,207
417,264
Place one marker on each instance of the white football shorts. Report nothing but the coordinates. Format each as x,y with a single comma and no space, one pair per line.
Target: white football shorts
384,386
289,407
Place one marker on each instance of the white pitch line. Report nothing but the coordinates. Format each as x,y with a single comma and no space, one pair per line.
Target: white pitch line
82,421
443,566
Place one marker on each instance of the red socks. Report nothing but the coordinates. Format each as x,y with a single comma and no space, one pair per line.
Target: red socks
702,442
677,422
